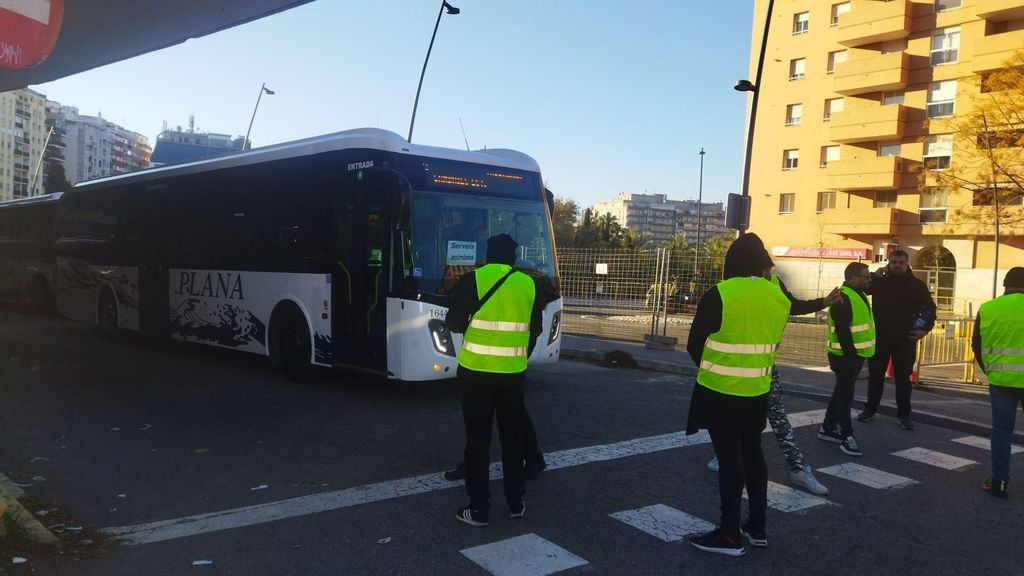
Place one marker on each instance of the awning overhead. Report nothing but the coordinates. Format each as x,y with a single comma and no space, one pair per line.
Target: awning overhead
98,32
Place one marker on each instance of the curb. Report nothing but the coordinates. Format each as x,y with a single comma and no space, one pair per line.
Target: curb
13,513
924,417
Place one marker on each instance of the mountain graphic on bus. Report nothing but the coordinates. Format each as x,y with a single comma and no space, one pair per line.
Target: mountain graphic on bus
224,324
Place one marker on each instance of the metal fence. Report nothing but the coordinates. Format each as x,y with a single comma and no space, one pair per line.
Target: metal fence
627,295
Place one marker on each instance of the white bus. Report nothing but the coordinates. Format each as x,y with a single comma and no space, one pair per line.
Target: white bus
335,251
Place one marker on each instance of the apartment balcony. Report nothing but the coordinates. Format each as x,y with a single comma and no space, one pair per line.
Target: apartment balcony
871,21
885,72
999,10
992,52
868,124
873,173
874,221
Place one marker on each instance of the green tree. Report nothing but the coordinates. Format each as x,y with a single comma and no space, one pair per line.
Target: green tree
565,221
54,178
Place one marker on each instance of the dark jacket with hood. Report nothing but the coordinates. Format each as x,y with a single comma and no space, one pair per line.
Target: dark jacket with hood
896,300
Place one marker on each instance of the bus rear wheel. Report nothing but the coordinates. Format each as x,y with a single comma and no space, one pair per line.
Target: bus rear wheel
290,344
106,313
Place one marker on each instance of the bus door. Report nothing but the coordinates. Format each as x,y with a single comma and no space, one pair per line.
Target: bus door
147,236
362,278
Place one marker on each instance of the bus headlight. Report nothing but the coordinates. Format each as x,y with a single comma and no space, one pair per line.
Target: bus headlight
441,337
556,326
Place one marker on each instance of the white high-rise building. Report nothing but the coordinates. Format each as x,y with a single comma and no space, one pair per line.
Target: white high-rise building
658,219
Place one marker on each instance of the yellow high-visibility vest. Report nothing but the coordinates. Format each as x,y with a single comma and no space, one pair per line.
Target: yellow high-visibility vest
737,360
1002,340
862,327
498,337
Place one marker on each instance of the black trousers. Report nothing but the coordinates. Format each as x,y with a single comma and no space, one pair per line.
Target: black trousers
903,354
741,463
486,397
838,412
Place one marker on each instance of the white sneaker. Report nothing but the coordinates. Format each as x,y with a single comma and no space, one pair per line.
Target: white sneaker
807,480
713,464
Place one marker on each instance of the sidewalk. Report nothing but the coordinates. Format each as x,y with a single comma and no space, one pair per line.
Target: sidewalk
961,408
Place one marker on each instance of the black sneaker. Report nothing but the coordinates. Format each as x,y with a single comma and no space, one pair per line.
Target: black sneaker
849,446
995,487
472,517
718,542
518,510
830,436
905,423
866,416
533,469
756,538
458,473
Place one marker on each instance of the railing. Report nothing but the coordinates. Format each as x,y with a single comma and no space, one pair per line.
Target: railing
614,294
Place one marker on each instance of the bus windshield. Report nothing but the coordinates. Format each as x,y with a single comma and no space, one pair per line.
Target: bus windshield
450,231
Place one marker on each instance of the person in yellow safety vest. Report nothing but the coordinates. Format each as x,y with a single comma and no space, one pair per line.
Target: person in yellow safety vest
733,341
998,344
500,329
850,341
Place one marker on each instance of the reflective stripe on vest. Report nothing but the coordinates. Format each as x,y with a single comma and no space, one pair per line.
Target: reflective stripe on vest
862,327
1002,340
498,336
737,360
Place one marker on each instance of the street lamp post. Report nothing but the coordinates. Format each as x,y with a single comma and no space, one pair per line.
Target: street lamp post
700,196
453,11
269,92
746,86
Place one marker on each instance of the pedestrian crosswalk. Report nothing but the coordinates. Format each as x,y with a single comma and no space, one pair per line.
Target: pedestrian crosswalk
533,555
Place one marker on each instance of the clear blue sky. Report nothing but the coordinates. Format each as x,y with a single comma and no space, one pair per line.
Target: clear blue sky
609,97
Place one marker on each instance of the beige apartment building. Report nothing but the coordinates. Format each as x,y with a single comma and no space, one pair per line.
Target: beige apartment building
856,102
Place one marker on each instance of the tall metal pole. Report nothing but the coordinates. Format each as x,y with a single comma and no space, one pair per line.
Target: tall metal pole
416,103
263,88
700,196
39,164
745,186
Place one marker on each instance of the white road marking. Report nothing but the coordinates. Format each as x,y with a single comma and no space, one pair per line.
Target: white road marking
664,522
786,499
933,458
526,555
984,443
869,477
162,530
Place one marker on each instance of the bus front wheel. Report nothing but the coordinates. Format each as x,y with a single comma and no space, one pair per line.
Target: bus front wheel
106,313
290,346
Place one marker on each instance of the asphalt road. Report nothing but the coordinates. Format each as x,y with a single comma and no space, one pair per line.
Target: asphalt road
192,454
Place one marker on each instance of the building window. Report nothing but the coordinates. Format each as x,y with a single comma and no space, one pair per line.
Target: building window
828,154
938,151
885,199
889,98
832,105
837,57
794,113
933,205
826,201
790,159
889,149
943,5
787,202
941,98
800,22
838,10
946,46
797,68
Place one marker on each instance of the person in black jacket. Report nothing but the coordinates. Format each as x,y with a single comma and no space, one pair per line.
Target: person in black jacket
904,313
